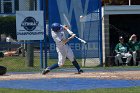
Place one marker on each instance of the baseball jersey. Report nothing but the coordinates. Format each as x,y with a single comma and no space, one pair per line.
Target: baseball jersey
134,45
59,36
122,48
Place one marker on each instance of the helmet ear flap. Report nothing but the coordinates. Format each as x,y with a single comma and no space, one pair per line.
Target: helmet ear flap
56,27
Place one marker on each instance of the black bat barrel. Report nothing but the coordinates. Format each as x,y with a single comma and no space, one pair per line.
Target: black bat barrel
3,70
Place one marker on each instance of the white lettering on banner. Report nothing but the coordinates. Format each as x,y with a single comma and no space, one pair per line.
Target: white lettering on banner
29,24
72,45
78,46
92,46
52,47
75,46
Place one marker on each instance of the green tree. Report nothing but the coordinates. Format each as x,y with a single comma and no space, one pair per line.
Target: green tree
8,26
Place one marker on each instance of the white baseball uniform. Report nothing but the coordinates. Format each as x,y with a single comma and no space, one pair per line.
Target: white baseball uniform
63,50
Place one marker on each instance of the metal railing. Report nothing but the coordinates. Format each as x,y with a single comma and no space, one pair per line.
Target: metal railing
120,2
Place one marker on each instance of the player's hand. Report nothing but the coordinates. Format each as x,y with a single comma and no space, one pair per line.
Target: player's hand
65,27
73,35
65,41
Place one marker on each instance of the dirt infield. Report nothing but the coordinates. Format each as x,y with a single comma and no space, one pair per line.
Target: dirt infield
125,75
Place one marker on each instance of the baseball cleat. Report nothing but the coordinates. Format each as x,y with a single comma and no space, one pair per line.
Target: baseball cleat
45,71
79,72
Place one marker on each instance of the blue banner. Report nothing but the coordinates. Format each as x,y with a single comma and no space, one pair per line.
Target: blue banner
82,16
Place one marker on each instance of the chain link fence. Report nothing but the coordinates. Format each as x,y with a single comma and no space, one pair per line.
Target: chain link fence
14,54
26,55
84,22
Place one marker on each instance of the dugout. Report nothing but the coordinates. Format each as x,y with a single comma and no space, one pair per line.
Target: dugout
123,25
118,20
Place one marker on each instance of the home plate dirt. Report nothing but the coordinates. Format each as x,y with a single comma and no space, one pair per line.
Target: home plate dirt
128,75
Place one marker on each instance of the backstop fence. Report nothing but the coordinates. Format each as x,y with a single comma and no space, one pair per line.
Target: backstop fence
84,17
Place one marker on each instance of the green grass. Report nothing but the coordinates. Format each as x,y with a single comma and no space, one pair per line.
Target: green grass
18,64
115,90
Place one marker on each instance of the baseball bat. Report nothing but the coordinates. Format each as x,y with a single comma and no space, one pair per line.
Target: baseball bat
83,41
67,21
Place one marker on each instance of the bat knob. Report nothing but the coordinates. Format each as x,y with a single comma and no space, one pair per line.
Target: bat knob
85,43
65,26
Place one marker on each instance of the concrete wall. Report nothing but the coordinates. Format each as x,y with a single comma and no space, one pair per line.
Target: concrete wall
105,37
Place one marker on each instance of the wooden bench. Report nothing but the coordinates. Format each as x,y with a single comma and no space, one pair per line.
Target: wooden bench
110,61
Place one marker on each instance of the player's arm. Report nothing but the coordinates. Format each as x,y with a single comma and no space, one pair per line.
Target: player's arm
68,39
55,37
71,33
67,29
130,39
116,49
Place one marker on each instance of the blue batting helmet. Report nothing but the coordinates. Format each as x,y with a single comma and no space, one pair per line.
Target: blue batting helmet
56,27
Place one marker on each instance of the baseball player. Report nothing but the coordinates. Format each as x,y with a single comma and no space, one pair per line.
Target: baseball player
134,45
62,47
122,49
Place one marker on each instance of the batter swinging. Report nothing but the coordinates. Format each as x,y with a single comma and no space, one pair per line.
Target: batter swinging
62,48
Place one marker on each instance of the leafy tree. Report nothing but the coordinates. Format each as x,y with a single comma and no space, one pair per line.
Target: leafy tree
8,26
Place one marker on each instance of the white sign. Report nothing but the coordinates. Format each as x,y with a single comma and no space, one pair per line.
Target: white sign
29,25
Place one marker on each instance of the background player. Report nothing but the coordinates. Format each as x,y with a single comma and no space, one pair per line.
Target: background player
122,50
135,47
62,47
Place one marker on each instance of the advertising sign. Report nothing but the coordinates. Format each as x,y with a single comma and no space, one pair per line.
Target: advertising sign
29,25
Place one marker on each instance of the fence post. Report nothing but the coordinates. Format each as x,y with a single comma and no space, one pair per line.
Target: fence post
100,35
30,55
129,2
39,2
45,35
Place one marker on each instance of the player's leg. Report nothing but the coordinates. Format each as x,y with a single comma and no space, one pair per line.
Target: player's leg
70,56
134,57
129,56
118,57
61,60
